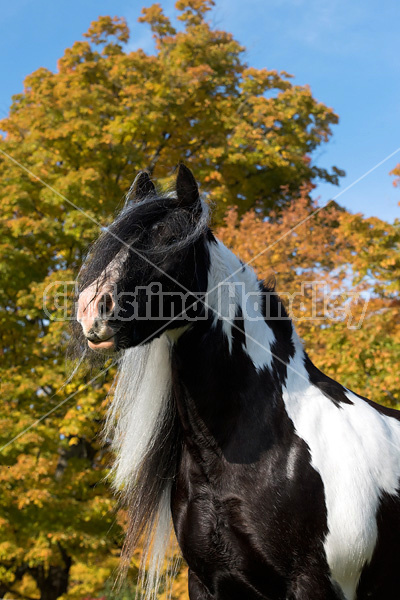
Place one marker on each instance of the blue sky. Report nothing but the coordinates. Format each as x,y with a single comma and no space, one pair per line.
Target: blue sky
348,52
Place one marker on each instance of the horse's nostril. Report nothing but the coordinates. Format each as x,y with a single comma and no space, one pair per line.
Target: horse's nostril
106,305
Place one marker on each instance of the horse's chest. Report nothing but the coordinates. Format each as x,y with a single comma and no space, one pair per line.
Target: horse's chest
209,526
220,543
245,525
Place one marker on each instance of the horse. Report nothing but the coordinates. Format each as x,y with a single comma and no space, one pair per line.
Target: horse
278,482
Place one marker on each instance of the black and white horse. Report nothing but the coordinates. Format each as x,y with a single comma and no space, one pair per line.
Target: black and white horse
281,483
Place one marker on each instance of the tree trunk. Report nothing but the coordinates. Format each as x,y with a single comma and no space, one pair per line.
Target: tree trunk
53,583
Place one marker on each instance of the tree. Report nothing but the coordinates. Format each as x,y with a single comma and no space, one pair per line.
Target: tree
105,113
85,130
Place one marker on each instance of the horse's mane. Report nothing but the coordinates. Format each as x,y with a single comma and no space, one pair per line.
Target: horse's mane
143,426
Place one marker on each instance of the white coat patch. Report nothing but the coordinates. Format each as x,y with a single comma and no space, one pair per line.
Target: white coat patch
229,284
355,449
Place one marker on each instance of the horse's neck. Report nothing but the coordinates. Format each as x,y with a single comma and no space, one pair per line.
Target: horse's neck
231,366
250,315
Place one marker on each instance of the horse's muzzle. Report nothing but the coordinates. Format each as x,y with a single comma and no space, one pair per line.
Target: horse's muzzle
100,343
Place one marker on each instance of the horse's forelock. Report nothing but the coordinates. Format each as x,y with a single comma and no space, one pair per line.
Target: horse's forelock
132,229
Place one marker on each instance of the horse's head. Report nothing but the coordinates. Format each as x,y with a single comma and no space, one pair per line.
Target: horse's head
147,267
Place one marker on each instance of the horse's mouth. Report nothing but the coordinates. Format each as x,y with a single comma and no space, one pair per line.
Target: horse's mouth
96,343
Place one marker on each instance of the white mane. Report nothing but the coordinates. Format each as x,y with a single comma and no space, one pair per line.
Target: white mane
140,401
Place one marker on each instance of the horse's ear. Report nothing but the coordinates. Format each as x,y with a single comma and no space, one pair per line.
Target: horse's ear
187,190
140,188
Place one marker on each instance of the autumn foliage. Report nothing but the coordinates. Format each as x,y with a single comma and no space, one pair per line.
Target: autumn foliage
73,141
